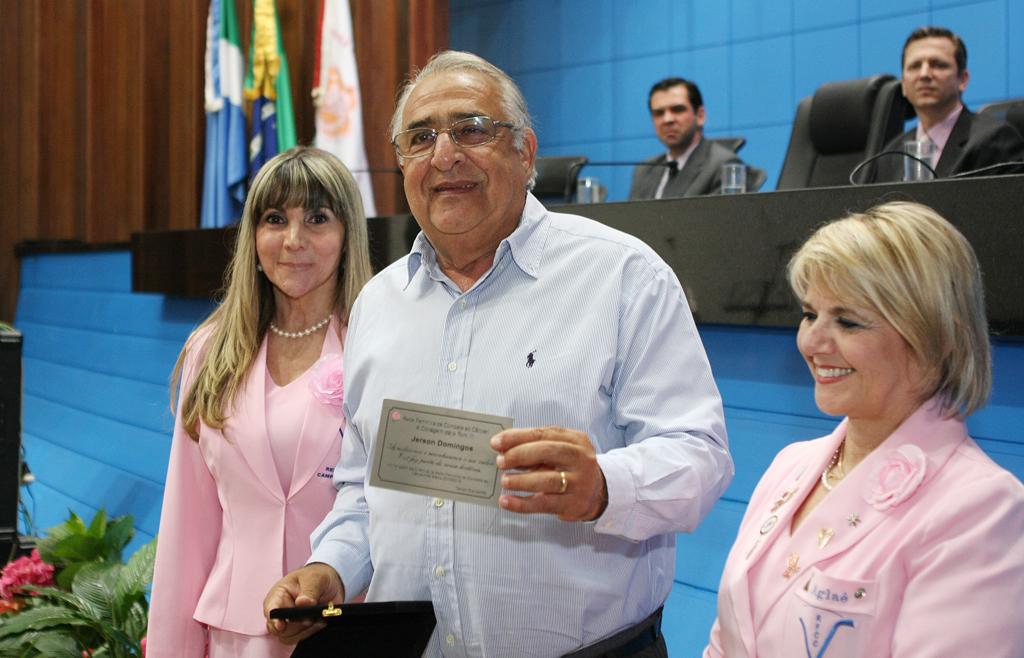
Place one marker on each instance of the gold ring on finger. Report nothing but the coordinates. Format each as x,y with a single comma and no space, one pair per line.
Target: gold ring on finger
565,482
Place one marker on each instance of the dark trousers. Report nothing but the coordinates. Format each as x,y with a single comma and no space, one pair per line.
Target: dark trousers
643,640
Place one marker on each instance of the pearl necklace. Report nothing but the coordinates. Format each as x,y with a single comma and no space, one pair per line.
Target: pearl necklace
842,472
300,334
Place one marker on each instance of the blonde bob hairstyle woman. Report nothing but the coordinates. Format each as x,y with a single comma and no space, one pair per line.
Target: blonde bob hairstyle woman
302,177
917,271
259,423
893,535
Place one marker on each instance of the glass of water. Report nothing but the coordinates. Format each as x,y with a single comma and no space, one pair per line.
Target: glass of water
734,178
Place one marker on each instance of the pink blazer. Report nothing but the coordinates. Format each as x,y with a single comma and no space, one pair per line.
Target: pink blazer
939,574
226,523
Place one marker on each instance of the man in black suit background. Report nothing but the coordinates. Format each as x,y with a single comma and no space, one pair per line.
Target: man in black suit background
677,111
934,77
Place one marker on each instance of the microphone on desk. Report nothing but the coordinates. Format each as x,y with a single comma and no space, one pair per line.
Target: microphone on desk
1016,164
671,165
574,171
1013,164
878,156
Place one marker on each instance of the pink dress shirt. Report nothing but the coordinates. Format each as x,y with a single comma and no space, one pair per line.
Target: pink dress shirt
939,133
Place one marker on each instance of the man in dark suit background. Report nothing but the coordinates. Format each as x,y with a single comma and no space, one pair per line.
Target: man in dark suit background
677,111
934,66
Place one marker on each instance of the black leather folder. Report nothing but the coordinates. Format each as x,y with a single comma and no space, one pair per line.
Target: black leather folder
397,629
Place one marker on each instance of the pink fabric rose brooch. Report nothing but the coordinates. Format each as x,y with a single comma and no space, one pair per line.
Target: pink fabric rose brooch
327,383
897,477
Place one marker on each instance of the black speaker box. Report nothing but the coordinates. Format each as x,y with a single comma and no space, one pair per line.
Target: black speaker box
10,426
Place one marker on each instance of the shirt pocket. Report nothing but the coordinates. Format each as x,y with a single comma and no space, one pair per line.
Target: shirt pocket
830,617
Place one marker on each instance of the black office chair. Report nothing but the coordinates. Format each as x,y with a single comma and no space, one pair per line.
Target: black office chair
840,126
756,177
556,177
1010,111
1015,117
734,144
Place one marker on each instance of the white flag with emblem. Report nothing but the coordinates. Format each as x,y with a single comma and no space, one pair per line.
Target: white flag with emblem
339,111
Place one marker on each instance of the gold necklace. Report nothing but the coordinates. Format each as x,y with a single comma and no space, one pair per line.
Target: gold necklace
837,456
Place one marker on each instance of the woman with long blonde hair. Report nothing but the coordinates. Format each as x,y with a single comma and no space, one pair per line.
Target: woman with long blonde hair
259,418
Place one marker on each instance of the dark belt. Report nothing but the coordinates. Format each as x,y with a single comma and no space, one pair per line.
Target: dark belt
624,643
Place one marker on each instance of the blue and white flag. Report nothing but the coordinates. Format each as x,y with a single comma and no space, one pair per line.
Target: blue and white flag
225,169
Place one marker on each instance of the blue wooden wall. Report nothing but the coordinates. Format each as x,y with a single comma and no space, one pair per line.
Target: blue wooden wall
97,359
97,428
586,66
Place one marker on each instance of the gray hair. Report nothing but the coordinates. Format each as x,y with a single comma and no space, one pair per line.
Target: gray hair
512,102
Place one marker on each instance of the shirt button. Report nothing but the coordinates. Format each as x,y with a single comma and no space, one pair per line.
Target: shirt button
450,640
439,502
462,303
439,571
452,366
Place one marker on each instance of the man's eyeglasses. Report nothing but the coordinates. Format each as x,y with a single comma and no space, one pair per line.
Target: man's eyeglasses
467,133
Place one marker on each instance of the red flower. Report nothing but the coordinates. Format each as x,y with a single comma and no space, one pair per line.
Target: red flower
22,572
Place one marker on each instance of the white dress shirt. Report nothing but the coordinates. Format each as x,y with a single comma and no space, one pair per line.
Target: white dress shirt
680,163
576,325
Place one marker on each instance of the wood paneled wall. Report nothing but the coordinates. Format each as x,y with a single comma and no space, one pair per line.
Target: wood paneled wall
102,124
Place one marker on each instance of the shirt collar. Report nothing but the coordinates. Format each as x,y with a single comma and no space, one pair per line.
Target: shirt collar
421,248
940,132
685,155
526,244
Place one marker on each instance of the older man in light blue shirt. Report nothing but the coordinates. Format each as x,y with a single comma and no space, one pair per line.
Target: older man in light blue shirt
578,332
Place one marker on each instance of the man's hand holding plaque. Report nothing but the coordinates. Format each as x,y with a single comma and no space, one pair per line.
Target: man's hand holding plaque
557,467
436,451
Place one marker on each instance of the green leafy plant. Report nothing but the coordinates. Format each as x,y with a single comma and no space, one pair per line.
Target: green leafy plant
103,609
72,544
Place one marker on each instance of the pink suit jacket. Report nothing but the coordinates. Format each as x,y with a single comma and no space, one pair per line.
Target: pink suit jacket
940,574
226,522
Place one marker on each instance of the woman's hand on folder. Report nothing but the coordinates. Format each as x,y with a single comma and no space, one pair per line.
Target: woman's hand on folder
313,584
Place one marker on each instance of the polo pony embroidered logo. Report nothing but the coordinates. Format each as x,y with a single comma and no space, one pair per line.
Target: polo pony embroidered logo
529,359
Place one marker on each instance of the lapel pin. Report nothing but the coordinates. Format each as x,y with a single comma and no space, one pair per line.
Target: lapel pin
792,566
853,519
783,499
824,536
